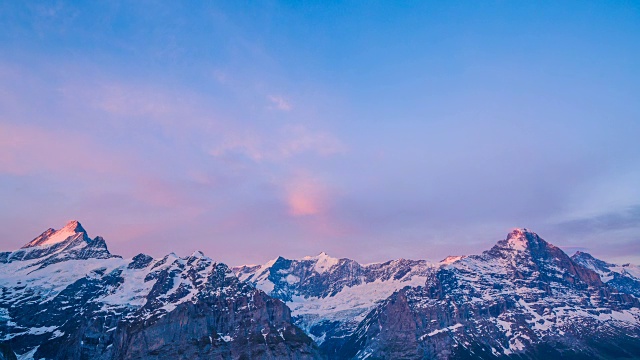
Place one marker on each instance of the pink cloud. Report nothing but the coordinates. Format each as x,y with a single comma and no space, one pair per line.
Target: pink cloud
280,103
306,196
71,156
27,149
126,104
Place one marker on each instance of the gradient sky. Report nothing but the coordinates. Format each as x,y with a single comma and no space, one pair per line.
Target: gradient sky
367,129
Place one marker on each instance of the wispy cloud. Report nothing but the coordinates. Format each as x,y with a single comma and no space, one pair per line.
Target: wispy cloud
300,139
27,149
278,102
616,220
288,142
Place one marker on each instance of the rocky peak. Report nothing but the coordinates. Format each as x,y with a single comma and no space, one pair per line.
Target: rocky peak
524,252
140,261
197,254
587,260
583,256
74,226
522,239
523,242
51,237
71,242
323,262
451,259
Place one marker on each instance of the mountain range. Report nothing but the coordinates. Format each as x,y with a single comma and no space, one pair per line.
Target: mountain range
63,295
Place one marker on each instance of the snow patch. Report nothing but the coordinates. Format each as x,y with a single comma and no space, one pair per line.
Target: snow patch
29,354
324,262
438,331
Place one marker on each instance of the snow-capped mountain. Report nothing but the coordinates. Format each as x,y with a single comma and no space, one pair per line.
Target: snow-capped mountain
64,296
625,278
523,298
329,297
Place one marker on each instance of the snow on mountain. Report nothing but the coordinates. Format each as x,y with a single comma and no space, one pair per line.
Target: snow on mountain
624,277
328,297
632,270
331,298
70,242
64,296
323,262
450,259
523,297
51,236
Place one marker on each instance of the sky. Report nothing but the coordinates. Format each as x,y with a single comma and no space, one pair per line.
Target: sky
371,130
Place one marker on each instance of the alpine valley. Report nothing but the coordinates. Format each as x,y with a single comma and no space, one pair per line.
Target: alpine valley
63,295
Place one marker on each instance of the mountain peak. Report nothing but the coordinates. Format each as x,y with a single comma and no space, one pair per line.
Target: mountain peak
451,259
582,254
520,232
521,239
324,262
74,226
321,255
51,236
590,262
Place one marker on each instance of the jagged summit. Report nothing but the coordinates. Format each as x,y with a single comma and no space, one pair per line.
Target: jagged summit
51,236
451,259
74,225
584,256
523,295
323,261
53,246
519,232
74,300
590,262
322,254
198,254
521,239
581,255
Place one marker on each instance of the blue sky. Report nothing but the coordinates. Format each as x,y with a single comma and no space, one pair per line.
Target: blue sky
370,130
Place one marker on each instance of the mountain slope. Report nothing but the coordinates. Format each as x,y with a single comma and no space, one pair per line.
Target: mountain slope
523,298
624,278
329,297
64,296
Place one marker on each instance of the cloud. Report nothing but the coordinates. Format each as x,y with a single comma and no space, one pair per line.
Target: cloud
290,141
612,235
280,103
306,196
300,139
249,145
26,149
616,220
130,104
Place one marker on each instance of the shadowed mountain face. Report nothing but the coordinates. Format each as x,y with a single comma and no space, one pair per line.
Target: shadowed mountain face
65,296
330,297
625,278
